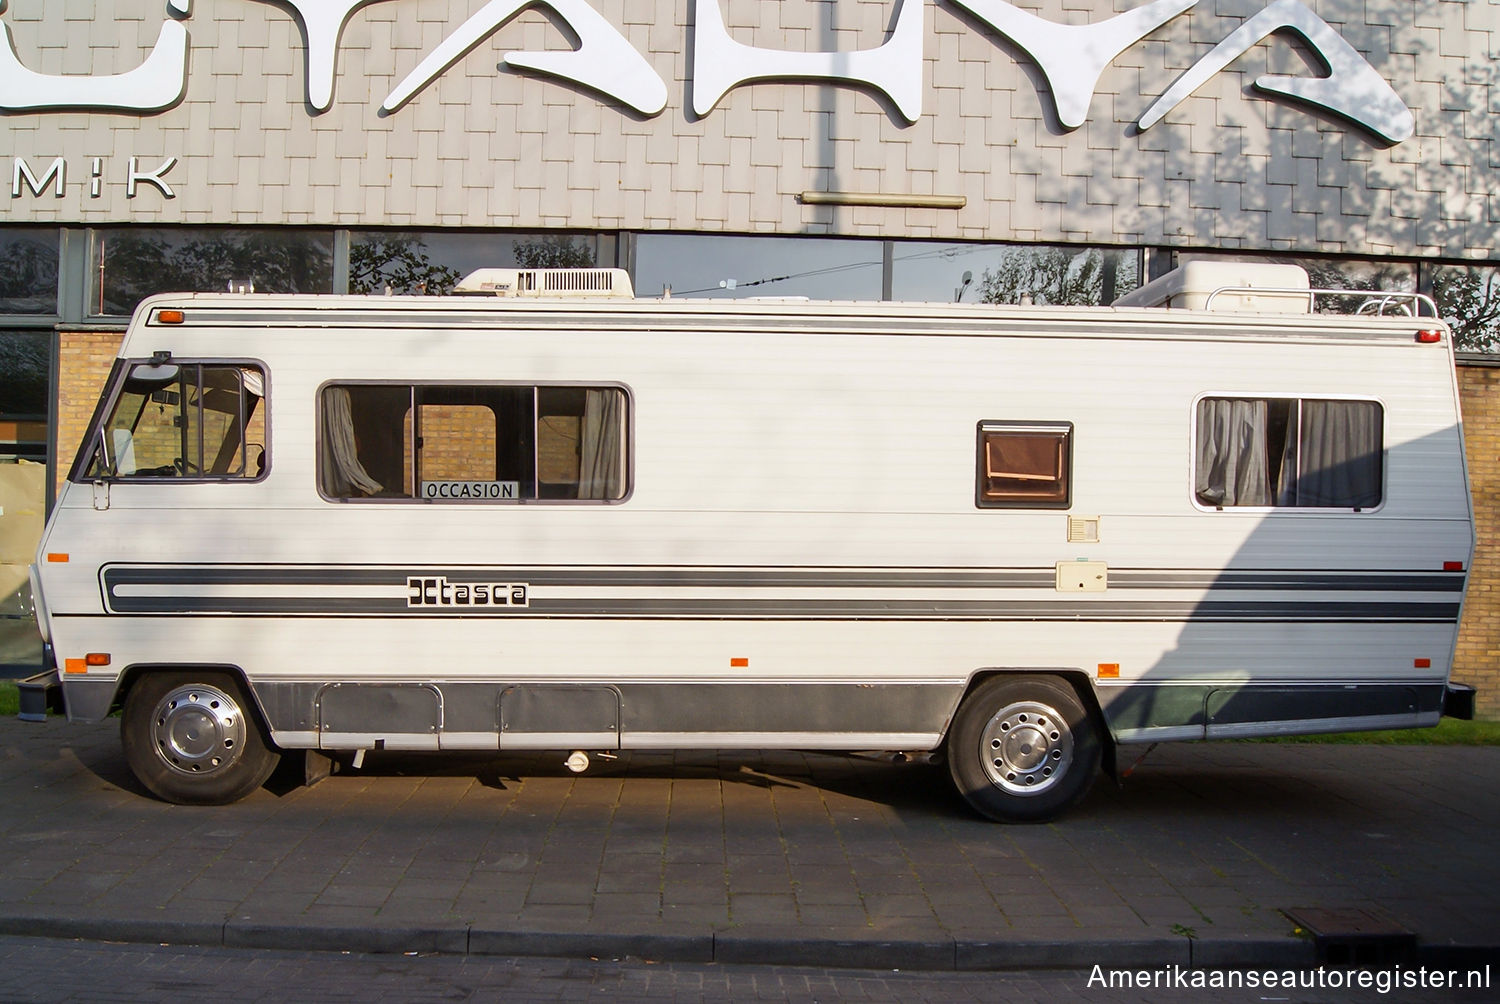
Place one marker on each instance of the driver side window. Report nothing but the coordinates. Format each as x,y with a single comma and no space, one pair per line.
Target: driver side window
197,421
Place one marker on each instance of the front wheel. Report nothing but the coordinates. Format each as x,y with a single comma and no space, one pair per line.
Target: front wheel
191,739
1022,748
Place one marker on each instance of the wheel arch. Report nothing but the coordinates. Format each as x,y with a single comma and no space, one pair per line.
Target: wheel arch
1076,678
134,673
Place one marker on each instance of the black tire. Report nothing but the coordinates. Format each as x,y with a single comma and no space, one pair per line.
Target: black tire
1023,748
192,738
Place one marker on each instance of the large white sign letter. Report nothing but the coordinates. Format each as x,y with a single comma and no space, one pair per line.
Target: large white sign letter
1073,57
721,64
1352,88
155,85
322,26
604,61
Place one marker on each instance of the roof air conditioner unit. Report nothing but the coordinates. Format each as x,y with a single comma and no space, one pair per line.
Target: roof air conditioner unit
547,282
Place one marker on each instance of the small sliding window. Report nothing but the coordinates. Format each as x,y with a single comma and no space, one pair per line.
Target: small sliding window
1025,465
466,443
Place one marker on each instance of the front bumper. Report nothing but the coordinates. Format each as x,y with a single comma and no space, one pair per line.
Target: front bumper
39,694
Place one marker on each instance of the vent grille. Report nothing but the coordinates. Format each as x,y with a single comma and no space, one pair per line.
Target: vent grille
1083,529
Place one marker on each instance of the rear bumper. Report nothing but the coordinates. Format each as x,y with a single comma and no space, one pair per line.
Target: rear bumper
1458,701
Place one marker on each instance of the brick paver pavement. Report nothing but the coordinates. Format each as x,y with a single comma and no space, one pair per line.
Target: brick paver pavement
746,857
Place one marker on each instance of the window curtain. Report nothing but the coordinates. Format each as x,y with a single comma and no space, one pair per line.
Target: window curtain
600,454
1232,466
343,474
1340,446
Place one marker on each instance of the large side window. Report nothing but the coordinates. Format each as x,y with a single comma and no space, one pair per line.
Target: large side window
1289,452
185,420
1025,465
472,443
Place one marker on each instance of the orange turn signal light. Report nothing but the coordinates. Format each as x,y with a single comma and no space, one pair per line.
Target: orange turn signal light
170,316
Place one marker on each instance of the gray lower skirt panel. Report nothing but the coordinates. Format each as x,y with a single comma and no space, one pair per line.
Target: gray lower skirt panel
1162,712
603,716
524,715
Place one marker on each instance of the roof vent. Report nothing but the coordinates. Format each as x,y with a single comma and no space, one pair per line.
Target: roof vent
1253,287
547,282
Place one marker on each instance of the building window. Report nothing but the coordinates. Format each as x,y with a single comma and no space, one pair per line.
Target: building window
182,420
993,273
1468,298
462,444
24,360
719,266
1286,452
28,271
129,264
1025,465
431,262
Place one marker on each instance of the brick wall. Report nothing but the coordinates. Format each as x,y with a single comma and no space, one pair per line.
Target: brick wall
1478,657
83,362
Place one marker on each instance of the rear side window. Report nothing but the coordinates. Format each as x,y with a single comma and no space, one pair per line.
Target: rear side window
472,443
1025,465
183,420
1300,453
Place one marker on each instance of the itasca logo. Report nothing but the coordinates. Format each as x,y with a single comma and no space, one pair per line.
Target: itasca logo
436,591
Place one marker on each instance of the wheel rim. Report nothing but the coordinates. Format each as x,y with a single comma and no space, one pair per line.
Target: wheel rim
198,730
1026,748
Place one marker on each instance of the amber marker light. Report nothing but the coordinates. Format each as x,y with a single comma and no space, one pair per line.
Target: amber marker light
739,663
75,666
97,659
57,558
170,316
1109,671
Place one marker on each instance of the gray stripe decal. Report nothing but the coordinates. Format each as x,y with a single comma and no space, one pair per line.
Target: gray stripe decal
1280,608
834,578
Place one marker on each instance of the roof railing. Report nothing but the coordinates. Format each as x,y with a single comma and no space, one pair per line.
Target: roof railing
1374,303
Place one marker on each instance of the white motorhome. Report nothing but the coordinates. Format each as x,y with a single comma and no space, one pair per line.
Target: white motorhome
575,520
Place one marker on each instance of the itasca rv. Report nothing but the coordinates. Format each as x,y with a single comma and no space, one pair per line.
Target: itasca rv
555,517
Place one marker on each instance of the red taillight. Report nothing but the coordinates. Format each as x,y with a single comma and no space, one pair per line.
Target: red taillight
1429,336
1453,566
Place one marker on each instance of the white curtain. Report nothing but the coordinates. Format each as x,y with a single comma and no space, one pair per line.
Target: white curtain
601,457
343,474
1232,467
1340,446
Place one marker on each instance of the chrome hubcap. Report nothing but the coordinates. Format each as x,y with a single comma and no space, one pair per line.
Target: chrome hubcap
1026,747
198,730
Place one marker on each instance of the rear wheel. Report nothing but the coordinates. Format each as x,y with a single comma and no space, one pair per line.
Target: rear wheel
1022,748
191,739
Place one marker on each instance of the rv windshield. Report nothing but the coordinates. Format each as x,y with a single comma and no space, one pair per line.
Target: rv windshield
184,420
